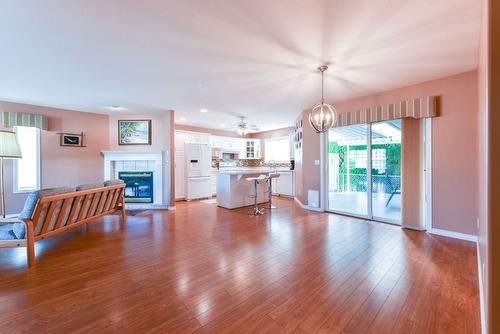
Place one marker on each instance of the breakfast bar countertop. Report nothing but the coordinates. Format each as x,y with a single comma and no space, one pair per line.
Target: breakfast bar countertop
250,171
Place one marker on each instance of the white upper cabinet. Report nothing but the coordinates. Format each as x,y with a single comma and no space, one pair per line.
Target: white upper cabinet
236,143
251,149
226,143
218,141
247,148
182,137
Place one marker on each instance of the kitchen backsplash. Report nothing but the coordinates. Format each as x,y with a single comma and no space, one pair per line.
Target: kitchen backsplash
253,163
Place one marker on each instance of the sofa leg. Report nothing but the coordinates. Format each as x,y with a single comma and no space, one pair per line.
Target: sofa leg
123,220
30,243
31,254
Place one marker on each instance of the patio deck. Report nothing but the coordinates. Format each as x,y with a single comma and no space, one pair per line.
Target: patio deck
356,203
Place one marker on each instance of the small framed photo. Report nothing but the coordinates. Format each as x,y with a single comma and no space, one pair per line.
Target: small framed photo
71,139
134,132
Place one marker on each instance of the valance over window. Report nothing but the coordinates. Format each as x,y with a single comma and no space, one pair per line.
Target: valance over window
416,108
11,119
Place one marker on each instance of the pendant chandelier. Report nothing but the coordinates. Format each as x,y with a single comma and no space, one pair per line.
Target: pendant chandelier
322,116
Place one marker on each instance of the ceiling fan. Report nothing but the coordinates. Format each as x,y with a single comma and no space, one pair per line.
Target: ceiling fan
244,127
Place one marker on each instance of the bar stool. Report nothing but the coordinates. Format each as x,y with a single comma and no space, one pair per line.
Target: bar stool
270,178
256,180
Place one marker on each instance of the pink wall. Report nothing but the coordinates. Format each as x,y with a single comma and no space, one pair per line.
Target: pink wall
494,168
160,135
307,173
69,166
62,166
489,178
455,146
483,77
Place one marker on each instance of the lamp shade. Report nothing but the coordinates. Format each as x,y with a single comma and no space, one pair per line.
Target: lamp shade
9,146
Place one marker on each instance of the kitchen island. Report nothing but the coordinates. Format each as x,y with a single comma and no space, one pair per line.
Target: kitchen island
234,191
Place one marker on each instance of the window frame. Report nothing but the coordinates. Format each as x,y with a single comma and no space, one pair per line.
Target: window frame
15,185
287,138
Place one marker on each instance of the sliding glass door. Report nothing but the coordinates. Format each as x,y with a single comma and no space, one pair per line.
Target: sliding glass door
364,170
348,181
386,170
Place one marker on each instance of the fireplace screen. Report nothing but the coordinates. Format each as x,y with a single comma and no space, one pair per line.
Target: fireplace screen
138,186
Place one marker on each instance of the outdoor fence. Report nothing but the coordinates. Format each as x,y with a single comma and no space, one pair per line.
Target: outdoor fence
358,183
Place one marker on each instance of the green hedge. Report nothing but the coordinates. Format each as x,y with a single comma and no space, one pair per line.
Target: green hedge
393,158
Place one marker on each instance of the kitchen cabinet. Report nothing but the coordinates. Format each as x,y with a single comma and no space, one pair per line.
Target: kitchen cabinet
180,175
283,185
226,143
236,144
251,149
213,181
218,141
182,137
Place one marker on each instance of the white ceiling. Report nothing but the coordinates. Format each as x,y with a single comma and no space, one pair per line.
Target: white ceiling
252,58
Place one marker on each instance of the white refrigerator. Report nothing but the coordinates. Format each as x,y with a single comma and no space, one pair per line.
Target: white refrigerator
198,163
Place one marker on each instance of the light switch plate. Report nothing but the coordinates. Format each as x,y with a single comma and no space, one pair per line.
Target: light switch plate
316,162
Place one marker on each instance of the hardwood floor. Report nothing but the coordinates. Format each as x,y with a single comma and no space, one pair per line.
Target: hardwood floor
205,269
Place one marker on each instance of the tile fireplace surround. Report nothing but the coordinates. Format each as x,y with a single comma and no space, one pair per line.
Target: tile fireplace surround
135,161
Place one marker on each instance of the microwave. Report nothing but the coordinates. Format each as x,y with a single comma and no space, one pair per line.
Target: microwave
230,156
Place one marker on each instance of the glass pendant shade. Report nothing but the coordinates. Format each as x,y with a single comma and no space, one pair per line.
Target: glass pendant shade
322,116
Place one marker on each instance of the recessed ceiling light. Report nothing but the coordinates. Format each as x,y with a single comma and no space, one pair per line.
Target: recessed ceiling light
204,110
116,107
182,119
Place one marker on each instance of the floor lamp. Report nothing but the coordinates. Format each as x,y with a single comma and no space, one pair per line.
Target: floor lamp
9,149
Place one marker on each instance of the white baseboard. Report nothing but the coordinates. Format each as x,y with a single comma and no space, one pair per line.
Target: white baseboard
451,234
482,306
307,207
413,227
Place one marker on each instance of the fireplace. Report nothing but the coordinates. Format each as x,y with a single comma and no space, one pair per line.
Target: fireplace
138,186
127,162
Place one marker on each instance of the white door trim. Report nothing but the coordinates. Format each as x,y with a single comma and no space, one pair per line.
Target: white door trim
323,166
428,173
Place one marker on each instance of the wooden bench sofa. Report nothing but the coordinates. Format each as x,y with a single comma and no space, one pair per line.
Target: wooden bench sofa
52,211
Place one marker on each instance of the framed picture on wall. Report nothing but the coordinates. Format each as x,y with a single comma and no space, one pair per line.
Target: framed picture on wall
134,132
71,139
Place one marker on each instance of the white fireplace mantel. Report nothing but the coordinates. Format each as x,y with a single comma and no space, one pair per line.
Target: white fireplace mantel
132,155
155,161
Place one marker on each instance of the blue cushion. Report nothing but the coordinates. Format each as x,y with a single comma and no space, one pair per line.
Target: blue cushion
30,203
88,186
12,231
7,235
113,182
19,230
